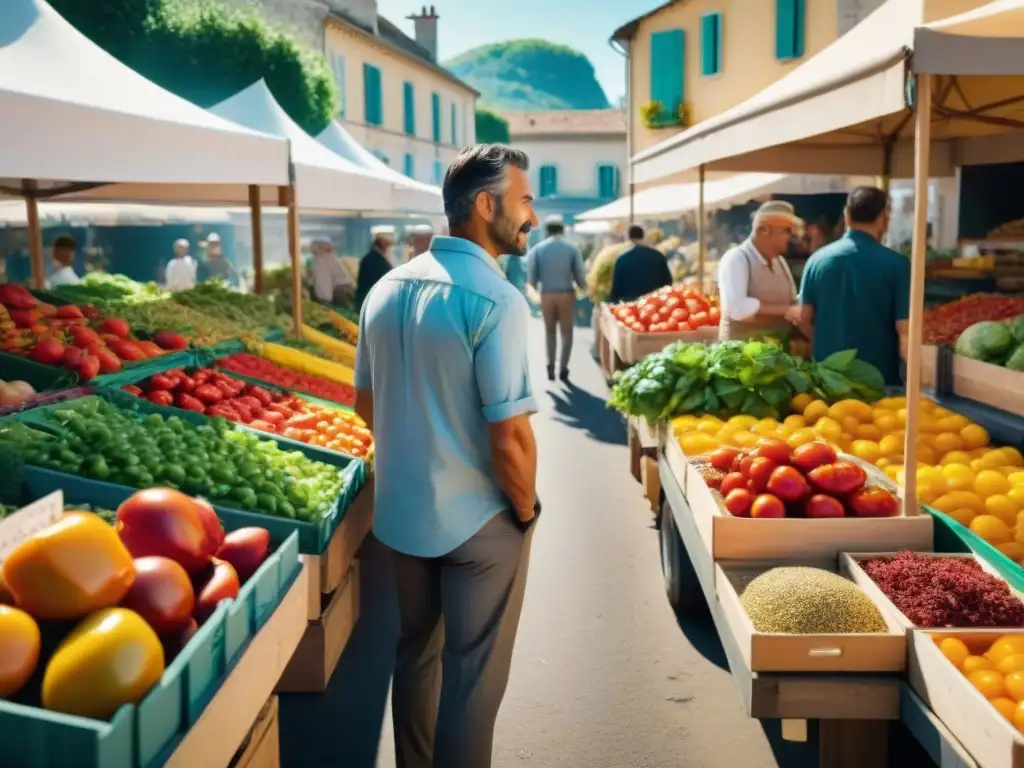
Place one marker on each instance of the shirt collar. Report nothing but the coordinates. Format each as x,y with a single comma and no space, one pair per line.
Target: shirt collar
757,253
863,237
468,247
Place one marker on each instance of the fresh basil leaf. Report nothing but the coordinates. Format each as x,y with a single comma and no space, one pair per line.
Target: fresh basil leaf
840,361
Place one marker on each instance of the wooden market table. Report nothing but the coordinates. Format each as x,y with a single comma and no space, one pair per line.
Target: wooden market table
854,710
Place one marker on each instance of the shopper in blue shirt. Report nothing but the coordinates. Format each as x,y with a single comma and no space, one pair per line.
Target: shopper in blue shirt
442,379
857,292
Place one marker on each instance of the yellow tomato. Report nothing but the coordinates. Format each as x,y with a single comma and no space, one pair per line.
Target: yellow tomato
1005,707
854,409
1012,549
901,418
727,436
885,421
111,658
891,403
958,477
794,422
953,423
893,471
989,682
817,409
20,642
766,428
828,428
974,663
1014,683
993,460
848,423
741,422
957,457
697,444
991,529
1014,662
746,439
962,516
688,422
882,463
868,432
1012,456
989,483
800,402
1017,494
927,455
974,436
801,436
954,649
1002,507
944,442
959,500
1007,645
866,450
709,427
890,445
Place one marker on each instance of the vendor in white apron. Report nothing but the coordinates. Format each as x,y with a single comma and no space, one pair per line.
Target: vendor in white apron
756,287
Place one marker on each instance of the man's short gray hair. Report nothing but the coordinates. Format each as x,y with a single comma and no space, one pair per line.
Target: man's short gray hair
477,169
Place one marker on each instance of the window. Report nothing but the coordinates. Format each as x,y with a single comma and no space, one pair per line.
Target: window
607,181
548,181
789,29
410,166
711,43
372,96
455,122
668,62
438,172
435,103
409,108
338,69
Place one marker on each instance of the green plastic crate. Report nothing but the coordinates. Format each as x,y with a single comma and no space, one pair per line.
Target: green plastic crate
951,536
35,738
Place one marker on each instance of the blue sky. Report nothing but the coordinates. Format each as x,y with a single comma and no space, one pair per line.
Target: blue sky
582,24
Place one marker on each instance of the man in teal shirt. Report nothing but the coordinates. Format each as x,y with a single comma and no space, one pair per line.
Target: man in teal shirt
856,292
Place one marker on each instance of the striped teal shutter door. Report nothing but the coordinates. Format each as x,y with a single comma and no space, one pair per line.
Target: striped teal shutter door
711,43
455,135
372,95
668,64
548,180
410,166
368,94
789,29
438,172
409,108
435,102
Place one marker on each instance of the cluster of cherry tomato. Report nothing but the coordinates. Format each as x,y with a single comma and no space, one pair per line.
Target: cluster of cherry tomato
668,310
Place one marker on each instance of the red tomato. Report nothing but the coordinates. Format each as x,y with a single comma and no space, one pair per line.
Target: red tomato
821,505
788,484
166,523
731,482
722,458
245,549
839,478
738,502
873,502
699,320
217,581
760,470
767,506
161,594
714,315
776,450
812,455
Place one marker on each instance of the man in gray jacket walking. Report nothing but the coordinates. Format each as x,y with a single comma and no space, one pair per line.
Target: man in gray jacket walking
553,266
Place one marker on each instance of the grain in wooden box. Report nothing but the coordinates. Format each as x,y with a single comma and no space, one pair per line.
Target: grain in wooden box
742,538
851,561
782,652
992,740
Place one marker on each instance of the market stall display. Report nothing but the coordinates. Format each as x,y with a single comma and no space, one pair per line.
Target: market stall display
645,326
304,374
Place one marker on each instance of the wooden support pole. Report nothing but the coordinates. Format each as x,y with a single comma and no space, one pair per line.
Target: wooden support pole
35,237
256,215
295,250
701,229
922,157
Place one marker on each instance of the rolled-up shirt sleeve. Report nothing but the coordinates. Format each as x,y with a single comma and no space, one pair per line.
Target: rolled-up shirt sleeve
502,363
362,375
734,287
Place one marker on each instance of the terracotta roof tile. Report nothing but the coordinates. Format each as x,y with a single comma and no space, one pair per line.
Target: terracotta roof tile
610,122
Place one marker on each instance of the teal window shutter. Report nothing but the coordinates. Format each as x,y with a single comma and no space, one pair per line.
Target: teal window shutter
608,181
455,134
409,168
409,108
372,95
711,43
790,17
438,172
668,65
435,102
548,181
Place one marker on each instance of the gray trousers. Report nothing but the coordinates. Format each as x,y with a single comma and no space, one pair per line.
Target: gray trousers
459,616
559,312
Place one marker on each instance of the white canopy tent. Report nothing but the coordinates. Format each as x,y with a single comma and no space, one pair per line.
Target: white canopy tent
410,196
324,180
671,200
73,113
12,213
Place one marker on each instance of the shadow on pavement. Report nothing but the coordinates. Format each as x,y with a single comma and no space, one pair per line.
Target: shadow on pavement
341,727
577,408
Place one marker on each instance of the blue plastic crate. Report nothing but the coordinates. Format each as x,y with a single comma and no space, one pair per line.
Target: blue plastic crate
36,738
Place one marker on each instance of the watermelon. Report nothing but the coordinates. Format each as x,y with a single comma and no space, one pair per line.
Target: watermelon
1016,360
988,341
1017,329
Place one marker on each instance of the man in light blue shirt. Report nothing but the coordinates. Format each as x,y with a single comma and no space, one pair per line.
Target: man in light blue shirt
554,265
442,379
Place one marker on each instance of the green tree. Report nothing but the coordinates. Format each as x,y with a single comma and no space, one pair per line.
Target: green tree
206,52
491,128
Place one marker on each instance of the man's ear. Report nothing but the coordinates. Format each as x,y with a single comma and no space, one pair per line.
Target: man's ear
485,206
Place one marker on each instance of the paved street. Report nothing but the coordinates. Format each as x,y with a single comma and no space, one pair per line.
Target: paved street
604,676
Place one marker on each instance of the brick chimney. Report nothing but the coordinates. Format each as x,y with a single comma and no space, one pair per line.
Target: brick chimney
426,30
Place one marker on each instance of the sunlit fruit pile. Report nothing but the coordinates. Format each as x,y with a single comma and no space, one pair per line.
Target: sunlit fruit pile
773,480
997,672
667,310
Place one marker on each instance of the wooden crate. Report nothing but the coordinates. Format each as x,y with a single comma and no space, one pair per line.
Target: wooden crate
929,365
262,748
851,562
324,640
631,347
779,652
329,569
742,538
651,481
992,741
214,738
989,384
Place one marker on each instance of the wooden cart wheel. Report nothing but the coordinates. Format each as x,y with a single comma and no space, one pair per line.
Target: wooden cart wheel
682,586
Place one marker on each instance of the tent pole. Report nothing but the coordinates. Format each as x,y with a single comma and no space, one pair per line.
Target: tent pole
922,157
701,233
256,216
35,237
295,249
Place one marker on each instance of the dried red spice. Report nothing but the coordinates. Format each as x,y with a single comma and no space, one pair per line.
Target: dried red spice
945,591
713,477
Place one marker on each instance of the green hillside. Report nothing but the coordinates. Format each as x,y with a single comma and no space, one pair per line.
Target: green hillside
530,74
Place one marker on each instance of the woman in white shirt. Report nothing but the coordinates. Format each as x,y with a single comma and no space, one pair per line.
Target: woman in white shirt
63,255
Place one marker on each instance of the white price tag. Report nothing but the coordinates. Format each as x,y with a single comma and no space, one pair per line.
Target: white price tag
28,520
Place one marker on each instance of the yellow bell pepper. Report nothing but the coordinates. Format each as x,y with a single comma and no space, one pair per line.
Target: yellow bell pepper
69,569
110,659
